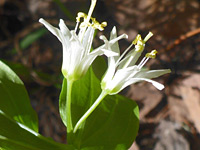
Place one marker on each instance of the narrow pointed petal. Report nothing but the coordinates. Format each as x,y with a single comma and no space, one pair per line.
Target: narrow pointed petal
108,53
158,85
123,36
65,31
152,73
87,61
113,35
108,76
55,31
87,40
135,58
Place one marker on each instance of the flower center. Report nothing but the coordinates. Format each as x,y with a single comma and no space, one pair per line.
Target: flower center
88,21
139,47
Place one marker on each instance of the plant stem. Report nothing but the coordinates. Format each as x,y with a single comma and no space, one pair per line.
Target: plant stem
68,109
90,110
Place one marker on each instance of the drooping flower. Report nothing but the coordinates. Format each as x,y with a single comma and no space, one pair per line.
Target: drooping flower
77,57
122,70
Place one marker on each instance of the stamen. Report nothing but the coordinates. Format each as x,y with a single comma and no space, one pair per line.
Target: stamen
123,54
143,62
138,38
93,3
97,25
139,43
80,15
152,54
84,25
149,35
76,27
78,18
86,21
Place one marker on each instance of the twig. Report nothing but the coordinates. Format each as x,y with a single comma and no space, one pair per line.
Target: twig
181,39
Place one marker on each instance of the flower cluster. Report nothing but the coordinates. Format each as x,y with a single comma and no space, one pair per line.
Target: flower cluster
77,56
123,70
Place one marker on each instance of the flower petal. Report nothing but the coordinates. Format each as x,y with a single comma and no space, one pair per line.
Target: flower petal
87,61
65,31
55,31
158,85
87,40
113,35
149,74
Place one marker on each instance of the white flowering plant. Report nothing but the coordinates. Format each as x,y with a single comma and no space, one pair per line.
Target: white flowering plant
95,115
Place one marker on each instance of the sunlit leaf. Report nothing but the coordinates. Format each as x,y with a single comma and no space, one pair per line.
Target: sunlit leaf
14,100
16,136
113,125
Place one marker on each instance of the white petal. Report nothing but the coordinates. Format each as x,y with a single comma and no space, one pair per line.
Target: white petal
159,86
109,73
113,35
87,40
135,58
55,31
152,73
87,61
108,53
65,31
117,38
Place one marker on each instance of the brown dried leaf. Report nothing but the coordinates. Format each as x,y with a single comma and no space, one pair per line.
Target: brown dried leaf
192,81
191,98
147,94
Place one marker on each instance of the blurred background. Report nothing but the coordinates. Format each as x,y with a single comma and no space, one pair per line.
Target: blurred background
169,119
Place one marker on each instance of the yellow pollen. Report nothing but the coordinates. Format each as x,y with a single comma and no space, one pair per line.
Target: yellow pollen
97,25
80,15
138,38
152,54
88,20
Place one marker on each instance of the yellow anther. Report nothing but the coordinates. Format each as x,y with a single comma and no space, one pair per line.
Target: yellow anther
86,21
139,43
80,15
97,25
152,54
104,24
85,24
138,38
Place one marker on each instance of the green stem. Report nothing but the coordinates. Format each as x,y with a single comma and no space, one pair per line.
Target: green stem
90,110
68,110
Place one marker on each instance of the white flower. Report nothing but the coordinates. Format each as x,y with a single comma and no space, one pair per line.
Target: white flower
123,71
77,57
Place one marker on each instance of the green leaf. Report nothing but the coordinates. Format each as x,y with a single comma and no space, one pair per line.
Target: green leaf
30,38
113,125
14,100
19,69
99,67
15,136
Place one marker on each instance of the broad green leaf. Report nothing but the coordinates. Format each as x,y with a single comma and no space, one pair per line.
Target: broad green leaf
19,69
99,67
15,136
14,100
113,125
